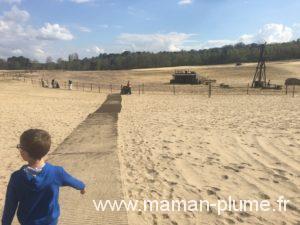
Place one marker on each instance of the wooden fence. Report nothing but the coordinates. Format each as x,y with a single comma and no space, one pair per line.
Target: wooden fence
208,90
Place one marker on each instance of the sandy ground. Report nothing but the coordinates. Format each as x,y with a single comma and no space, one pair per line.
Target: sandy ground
178,147
192,147
23,107
277,72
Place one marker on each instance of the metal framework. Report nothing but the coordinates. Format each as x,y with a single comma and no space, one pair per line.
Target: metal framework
260,77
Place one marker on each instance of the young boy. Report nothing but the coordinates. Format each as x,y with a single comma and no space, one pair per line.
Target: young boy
34,189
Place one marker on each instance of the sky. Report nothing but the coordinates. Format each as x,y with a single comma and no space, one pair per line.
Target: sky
41,28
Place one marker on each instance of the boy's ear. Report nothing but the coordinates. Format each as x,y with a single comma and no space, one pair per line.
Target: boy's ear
24,155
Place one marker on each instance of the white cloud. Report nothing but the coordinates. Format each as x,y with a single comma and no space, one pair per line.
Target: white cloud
55,32
273,32
185,2
3,26
15,14
296,28
247,38
154,42
95,49
17,51
18,37
218,43
270,33
39,51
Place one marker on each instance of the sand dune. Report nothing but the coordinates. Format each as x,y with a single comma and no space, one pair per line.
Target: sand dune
191,147
23,107
178,147
229,73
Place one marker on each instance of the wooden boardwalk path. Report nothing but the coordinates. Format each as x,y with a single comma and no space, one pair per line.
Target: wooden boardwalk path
90,153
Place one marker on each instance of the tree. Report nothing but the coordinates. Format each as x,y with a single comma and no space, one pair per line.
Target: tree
73,57
132,60
35,64
2,64
50,65
49,60
18,63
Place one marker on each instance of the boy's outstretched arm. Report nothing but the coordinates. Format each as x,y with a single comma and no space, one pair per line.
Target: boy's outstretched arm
68,180
11,203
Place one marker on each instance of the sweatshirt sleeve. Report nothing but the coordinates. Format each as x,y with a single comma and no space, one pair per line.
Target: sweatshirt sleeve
11,203
68,180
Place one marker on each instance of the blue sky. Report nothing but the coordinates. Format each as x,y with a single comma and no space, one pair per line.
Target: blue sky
56,28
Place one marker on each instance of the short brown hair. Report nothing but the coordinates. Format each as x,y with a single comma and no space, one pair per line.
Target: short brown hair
36,143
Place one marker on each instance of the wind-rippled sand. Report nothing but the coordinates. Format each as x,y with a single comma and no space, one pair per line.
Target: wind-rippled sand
23,106
192,147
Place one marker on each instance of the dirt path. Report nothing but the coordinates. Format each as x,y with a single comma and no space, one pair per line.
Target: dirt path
90,153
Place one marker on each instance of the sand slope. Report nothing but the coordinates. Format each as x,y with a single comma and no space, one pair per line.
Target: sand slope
277,72
192,147
23,107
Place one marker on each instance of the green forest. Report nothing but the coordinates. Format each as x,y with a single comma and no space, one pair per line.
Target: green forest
238,53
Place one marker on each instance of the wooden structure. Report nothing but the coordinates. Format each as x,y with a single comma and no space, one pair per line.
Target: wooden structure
292,82
189,77
185,77
260,78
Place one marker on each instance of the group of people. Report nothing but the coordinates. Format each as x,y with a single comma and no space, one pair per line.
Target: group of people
125,89
55,84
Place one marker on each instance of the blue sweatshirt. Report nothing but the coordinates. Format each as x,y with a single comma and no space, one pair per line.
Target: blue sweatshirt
36,195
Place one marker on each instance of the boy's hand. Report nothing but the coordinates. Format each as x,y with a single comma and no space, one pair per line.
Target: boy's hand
82,192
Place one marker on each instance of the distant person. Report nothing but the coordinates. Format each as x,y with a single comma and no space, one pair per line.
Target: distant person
269,83
53,83
70,85
44,83
129,87
34,188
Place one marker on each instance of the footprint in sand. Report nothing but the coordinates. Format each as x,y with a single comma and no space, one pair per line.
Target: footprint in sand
239,219
263,196
152,172
229,221
172,183
244,214
213,191
225,177
231,168
154,219
165,216
179,154
292,207
216,189
281,177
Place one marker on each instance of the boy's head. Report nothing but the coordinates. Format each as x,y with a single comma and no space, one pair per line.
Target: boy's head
35,143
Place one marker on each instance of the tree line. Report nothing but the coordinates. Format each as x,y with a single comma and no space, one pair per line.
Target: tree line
237,53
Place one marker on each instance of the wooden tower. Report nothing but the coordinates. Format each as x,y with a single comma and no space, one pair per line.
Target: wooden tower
260,77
